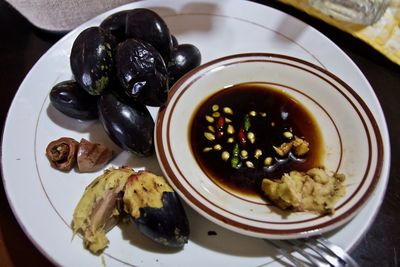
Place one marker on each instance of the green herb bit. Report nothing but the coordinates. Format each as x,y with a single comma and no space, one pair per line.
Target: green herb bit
246,122
235,151
235,162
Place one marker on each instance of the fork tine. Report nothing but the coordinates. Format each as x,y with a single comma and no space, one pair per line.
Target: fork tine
338,251
319,252
306,255
285,253
313,245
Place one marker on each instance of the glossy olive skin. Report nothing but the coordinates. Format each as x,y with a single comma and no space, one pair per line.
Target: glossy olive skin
167,225
146,25
129,125
184,58
115,24
174,41
141,72
92,60
69,98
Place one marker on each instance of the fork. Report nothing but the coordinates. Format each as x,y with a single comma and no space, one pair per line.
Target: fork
318,252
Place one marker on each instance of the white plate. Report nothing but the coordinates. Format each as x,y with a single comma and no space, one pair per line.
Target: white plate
352,143
43,199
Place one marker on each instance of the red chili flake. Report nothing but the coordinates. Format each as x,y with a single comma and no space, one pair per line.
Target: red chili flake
241,136
220,123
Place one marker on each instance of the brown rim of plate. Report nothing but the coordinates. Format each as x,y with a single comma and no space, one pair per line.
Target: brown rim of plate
348,214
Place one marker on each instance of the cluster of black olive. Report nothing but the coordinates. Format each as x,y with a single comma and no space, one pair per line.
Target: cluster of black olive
127,63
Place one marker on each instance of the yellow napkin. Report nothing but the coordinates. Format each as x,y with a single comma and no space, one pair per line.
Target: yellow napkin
384,35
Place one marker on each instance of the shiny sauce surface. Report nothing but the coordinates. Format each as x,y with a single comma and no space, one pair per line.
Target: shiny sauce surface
234,135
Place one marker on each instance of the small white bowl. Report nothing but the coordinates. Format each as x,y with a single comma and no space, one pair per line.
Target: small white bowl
352,140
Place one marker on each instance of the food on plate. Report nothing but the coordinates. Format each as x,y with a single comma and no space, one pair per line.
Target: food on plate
250,131
92,156
92,60
65,152
156,209
145,197
141,72
129,125
120,68
314,190
184,57
124,60
61,153
97,211
69,98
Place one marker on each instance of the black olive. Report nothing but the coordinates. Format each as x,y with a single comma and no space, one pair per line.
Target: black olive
142,72
146,25
129,125
69,98
92,61
184,58
156,209
115,24
167,225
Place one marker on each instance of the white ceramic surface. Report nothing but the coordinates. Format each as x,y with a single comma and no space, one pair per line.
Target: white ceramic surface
351,139
43,199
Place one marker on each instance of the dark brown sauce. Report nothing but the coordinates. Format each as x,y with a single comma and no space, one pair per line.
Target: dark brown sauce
269,112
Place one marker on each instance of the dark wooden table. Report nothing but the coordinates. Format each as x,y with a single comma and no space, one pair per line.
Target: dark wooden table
21,45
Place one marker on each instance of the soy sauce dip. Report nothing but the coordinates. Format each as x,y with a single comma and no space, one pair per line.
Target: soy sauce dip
235,134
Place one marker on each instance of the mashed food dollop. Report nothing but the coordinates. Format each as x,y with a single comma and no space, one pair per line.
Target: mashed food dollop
314,190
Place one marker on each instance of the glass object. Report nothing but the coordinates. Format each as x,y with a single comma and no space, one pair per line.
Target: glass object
365,12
